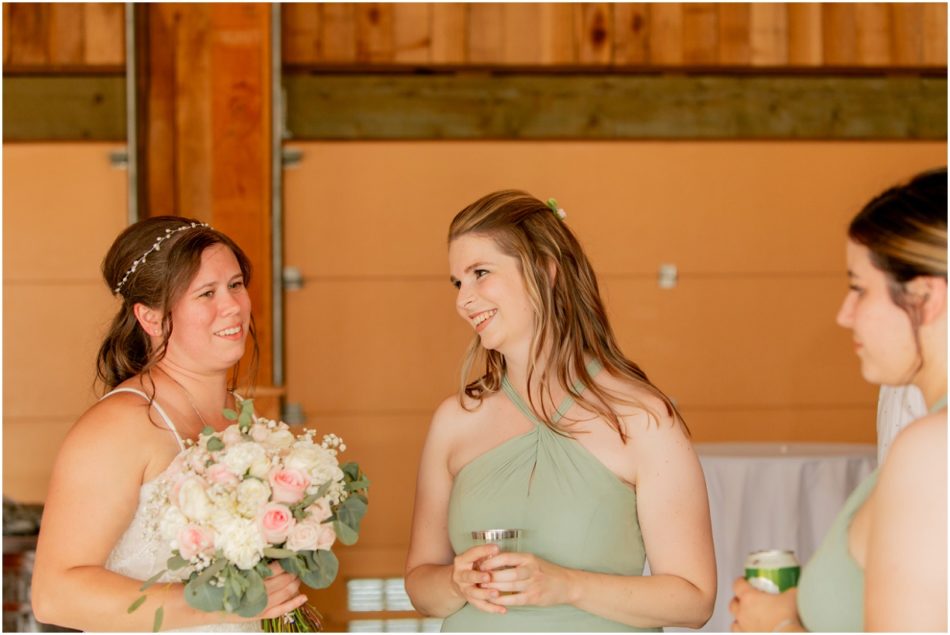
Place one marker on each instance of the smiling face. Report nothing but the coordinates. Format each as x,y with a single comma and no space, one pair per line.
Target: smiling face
492,297
883,332
211,318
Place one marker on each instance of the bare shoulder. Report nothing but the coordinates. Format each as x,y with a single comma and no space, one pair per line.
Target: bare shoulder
119,428
642,410
919,451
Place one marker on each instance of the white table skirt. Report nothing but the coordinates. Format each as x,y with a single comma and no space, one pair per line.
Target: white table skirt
774,496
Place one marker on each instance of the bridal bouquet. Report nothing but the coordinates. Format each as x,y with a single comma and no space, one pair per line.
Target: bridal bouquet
252,494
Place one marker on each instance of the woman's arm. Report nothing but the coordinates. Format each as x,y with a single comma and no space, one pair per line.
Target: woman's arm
906,571
674,519
438,582
92,498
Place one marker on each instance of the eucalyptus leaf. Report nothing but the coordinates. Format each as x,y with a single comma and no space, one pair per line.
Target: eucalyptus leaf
344,533
229,414
211,571
277,553
151,581
207,431
322,491
351,512
323,570
135,605
262,569
214,444
255,595
351,469
176,562
203,596
159,616
353,486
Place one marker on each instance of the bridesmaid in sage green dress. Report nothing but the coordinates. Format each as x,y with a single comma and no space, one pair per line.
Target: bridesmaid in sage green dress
561,436
883,563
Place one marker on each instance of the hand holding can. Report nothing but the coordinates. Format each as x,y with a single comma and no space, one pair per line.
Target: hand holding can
772,570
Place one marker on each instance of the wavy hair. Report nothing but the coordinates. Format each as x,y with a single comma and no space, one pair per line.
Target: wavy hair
905,230
570,322
158,283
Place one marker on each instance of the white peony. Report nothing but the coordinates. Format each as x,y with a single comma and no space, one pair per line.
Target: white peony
241,542
238,458
260,468
252,494
192,499
171,522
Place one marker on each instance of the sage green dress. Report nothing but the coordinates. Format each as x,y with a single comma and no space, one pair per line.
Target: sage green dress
831,588
573,511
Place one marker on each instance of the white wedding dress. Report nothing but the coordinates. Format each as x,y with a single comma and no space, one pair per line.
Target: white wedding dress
141,552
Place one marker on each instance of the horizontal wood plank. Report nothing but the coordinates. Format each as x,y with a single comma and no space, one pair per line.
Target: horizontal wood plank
64,107
522,106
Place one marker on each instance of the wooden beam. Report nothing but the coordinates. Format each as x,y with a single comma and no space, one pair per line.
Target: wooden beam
610,106
64,108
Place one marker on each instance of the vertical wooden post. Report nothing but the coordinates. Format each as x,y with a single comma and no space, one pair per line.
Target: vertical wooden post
206,103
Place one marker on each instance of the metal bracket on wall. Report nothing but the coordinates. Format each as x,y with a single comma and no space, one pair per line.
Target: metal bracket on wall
292,414
292,279
291,157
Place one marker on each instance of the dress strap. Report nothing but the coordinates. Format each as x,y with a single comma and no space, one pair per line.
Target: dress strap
158,408
593,367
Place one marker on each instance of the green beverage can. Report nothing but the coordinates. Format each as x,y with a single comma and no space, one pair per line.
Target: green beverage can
772,570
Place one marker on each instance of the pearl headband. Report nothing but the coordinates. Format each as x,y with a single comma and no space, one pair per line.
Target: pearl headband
155,247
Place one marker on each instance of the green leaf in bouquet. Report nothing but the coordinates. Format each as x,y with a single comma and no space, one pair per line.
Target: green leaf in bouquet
214,444
203,596
207,431
215,568
344,533
229,414
176,562
350,513
277,553
135,605
322,491
262,569
159,616
321,570
151,581
254,597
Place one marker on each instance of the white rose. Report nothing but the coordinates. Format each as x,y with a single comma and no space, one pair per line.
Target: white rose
252,494
326,538
260,468
259,432
320,510
306,457
238,458
241,542
192,499
281,438
303,537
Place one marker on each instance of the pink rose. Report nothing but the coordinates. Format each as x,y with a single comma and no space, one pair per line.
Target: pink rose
219,473
193,540
276,522
288,485
303,537
320,510
326,538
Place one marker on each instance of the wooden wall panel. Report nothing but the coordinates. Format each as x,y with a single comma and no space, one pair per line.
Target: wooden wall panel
54,239
50,37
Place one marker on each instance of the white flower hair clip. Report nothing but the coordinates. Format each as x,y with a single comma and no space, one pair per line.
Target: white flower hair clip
155,247
558,211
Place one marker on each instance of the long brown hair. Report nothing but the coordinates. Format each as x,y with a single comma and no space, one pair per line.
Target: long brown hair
905,231
159,283
569,316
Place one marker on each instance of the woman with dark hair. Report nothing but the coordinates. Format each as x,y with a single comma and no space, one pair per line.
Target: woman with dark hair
561,436
883,563
181,328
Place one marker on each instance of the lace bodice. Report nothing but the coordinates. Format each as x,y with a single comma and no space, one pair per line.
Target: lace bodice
142,551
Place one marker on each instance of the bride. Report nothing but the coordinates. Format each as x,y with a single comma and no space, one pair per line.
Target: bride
182,327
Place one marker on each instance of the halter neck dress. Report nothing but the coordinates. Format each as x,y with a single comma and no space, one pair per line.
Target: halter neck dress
141,551
572,510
